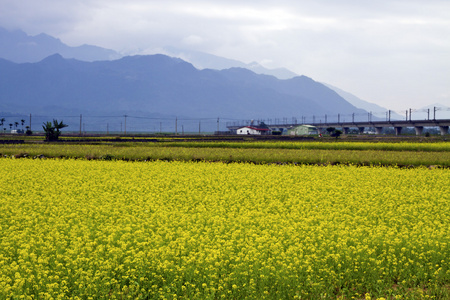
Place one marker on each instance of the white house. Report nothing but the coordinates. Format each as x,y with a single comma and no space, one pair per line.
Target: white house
252,130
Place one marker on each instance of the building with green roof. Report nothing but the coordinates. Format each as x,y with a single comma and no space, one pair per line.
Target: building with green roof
303,130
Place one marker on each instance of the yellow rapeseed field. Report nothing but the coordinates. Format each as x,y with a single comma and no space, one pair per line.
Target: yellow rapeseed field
78,229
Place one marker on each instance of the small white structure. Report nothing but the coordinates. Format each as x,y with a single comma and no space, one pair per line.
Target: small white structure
16,131
251,130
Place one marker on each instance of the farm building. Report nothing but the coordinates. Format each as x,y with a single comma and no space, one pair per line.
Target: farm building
253,130
303,130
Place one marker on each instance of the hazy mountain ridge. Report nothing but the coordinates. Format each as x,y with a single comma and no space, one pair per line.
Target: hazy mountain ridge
19,47
163,85
368,106
203,60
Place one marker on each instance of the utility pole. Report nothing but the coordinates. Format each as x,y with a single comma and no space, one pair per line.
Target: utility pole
217,125
389,115
434,115
125,126
406,115
410,110
428,114
325,118
353,117
339,118
176,125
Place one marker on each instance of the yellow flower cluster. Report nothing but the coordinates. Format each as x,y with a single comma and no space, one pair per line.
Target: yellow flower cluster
77,229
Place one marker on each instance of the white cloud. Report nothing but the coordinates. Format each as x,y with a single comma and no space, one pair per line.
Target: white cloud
192,40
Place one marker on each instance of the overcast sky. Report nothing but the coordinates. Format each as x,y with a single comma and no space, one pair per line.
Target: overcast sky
395,53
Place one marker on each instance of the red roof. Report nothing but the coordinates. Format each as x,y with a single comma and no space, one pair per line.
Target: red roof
255,128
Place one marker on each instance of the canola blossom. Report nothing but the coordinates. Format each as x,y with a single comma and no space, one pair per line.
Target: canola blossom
78,229
411,154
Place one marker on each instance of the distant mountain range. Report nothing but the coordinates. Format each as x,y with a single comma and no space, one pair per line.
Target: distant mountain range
160,84
39,74
19,47
202,60
357,102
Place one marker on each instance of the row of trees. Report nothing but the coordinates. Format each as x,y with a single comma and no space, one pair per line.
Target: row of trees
16,124
52,129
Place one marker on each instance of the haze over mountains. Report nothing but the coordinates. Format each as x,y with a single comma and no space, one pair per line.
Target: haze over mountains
202,60
160,84
90,79
19,47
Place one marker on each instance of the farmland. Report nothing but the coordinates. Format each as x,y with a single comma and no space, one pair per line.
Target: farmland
272,151
142,221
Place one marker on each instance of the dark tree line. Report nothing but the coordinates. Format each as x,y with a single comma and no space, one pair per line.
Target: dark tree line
334,132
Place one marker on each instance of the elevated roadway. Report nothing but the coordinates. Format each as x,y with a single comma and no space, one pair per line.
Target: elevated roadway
361,126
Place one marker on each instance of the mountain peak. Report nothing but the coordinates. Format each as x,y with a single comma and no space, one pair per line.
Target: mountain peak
56,57
19,47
